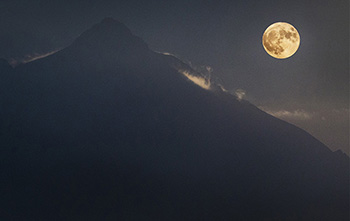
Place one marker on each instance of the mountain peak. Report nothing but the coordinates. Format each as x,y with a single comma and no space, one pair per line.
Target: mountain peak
110,25
110,38
109,32
110,21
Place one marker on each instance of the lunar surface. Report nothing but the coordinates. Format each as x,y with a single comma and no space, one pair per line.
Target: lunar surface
281,40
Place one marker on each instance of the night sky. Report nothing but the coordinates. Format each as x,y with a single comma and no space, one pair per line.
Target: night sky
310,89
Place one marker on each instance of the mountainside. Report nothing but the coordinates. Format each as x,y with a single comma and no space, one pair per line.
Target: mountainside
107,129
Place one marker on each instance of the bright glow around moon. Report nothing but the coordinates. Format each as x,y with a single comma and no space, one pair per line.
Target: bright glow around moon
281,40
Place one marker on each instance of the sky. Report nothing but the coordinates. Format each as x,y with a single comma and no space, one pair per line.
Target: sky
309,89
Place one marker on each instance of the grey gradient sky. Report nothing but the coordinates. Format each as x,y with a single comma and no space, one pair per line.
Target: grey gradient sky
310,89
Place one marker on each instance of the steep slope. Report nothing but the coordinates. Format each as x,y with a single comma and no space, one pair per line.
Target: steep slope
107,129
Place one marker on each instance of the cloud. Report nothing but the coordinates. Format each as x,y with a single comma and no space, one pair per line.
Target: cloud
31,57
329,125
37,56
209,69
166,53
200,75
197,78
298,114
240,93
200,81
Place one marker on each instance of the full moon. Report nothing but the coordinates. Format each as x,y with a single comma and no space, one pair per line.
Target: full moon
281,40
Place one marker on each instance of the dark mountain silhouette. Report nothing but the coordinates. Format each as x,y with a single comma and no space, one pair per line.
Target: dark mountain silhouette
4,65
107,129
